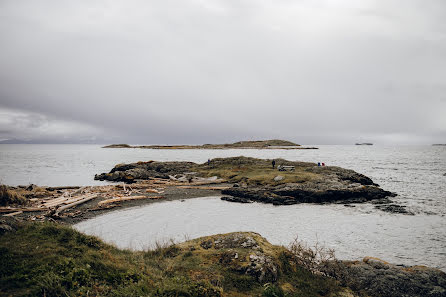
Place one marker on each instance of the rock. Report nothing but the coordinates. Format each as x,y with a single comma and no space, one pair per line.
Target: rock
279,178
306,193
236,199
262,267
8,224
31,187
146,170
394,208
207,244
379,278
5,228
236,240
259,265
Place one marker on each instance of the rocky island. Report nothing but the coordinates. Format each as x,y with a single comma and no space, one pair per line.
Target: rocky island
255,144
251,179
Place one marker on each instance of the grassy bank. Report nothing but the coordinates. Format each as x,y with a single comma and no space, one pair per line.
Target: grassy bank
47,259
256,171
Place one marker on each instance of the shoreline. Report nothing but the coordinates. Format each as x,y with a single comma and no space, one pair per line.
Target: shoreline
238,179
91,209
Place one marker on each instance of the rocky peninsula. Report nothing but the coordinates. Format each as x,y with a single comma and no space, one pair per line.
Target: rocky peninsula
255,144
251,179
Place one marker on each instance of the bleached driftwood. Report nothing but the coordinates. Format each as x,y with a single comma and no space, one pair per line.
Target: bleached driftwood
153,191
203,188
13,214
127,198
85,198
24,209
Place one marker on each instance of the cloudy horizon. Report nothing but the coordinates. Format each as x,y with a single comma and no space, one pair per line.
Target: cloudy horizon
208,71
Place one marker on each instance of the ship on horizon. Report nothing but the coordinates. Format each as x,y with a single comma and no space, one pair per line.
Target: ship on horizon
363,143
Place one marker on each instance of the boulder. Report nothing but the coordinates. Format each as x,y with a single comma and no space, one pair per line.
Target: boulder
279,178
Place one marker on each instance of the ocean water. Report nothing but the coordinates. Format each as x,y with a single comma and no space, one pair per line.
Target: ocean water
352,233
416,173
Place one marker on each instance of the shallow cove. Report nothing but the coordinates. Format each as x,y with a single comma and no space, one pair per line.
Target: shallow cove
352,232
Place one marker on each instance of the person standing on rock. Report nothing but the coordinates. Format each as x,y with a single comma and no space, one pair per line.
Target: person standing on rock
274,163
209,162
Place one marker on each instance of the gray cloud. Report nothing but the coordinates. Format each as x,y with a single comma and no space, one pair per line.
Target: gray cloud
208,71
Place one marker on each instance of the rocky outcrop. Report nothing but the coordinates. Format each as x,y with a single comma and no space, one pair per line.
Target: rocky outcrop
250,254
242,252
144,170
379,278
308,193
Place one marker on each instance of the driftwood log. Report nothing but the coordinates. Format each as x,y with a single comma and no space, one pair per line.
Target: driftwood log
85,198
204,188
24,209
127,198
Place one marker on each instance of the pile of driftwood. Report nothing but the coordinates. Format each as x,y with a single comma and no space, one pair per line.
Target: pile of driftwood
55,202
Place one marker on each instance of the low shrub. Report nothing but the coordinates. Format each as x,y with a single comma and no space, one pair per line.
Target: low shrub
8,196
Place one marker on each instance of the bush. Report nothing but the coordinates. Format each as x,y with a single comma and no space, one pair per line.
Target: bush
316,259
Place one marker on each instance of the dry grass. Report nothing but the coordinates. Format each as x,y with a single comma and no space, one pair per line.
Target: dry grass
257,174
9,196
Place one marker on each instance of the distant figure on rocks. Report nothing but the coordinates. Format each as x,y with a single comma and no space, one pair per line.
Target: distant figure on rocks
274,163
209,162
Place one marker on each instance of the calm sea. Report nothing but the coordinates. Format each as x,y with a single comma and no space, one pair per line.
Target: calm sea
416,173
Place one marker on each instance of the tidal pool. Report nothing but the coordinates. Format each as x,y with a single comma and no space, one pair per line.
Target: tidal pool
354,232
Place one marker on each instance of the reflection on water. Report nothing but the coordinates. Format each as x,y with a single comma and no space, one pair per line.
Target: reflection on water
352,232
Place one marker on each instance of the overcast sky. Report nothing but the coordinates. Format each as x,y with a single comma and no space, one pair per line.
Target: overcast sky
207,71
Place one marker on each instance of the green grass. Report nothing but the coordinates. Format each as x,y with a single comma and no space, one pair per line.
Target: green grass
260,174
47,259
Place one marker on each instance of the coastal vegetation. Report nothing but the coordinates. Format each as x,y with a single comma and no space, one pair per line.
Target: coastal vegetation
48,259
8,196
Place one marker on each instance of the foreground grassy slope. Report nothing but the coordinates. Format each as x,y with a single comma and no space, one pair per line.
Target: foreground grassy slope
46,259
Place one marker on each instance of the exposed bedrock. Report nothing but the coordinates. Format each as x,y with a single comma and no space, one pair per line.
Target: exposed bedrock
293,194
